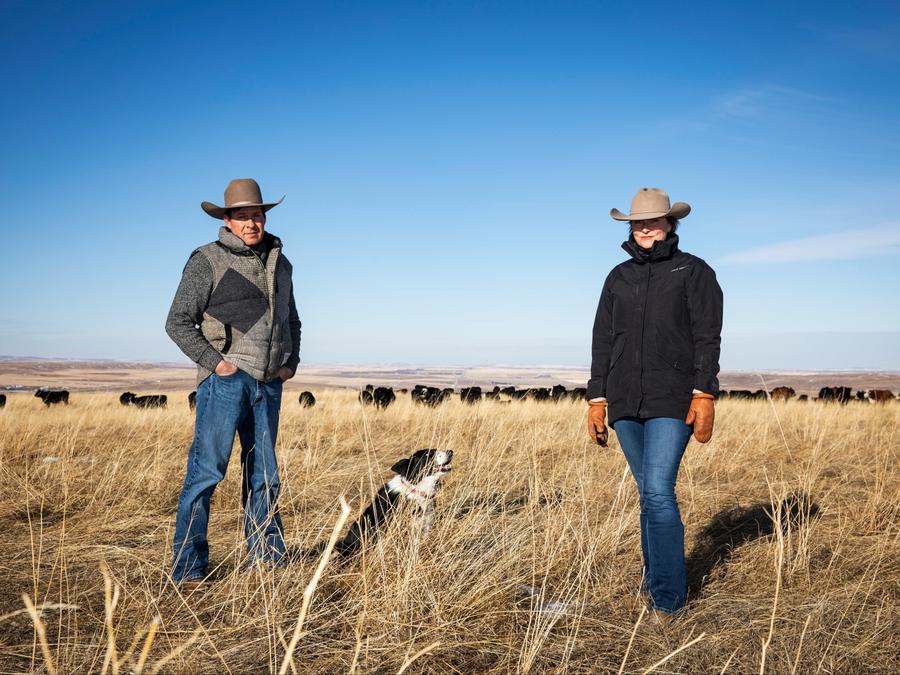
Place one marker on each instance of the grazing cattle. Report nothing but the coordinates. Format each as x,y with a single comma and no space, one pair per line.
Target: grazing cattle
740,394
383,397
559,393
782,393
365,396
307,400
430,396
861,395
2,400
539,394
150,401
509,391
578,393
838,394
879,395
803,397
493,394
192,400
52,397
470,395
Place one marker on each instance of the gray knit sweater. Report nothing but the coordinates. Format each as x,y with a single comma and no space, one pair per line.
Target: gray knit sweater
191,300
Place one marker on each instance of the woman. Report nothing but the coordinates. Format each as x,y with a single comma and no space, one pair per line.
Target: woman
655,358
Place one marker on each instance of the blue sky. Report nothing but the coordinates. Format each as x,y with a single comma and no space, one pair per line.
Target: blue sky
449,168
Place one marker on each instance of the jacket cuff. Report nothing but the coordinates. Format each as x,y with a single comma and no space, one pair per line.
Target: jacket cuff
596,388
598,399
209,359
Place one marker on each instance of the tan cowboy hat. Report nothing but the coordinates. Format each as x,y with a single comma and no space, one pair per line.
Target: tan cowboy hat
240,192
652,203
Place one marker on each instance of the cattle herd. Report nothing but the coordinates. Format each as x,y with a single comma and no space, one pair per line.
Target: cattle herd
382,397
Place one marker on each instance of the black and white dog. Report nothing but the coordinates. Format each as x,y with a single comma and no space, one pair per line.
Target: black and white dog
416,479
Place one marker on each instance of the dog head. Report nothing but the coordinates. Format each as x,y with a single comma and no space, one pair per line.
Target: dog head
428,463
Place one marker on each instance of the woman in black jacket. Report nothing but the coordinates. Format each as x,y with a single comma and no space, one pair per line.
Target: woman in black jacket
655,358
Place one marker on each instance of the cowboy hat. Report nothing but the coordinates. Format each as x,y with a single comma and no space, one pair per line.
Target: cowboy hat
652,203
240,192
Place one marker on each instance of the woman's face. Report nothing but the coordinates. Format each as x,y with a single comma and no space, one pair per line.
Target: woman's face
647,231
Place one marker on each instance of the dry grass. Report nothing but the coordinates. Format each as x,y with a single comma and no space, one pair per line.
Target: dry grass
90,494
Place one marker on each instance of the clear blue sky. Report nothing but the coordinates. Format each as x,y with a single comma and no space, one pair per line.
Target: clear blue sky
449,168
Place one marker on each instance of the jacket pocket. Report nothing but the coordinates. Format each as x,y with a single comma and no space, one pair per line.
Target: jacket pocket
673,355
617,351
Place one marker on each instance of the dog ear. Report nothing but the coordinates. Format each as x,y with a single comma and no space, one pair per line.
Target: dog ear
401,467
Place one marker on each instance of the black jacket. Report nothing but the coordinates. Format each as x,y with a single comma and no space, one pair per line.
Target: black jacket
657,333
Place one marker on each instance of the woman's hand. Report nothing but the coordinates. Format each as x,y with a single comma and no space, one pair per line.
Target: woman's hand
701,415
224,369
597,422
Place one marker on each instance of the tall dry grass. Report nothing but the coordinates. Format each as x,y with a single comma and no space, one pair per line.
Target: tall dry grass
791,515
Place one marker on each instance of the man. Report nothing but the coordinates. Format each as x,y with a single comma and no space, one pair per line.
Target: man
234,315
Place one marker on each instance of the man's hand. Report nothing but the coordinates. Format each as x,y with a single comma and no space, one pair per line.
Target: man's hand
285,373
701,415
597,422
224,369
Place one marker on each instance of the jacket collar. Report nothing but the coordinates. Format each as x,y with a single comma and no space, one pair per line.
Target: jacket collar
234,244
661,250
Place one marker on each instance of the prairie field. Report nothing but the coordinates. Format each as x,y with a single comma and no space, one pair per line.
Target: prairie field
792,518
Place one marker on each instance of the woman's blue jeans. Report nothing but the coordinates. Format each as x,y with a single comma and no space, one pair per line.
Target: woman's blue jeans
653,448
227,405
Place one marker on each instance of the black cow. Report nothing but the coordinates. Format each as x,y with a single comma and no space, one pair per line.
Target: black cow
836,394
470,395
782,393
192,400
559,393
578,393
365,396
383,397
150,401
51,397
2,400
307,400
430,396
803,397
493,394
539,394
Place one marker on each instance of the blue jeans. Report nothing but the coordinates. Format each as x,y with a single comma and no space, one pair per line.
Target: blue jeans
227,405
653,448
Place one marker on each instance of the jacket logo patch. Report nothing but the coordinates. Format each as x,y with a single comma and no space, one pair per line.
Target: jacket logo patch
683,267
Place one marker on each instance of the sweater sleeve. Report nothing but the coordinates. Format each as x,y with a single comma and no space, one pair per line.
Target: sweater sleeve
186,312
704,297
601,344
294,323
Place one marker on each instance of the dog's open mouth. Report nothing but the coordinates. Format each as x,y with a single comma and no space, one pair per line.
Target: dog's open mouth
444,468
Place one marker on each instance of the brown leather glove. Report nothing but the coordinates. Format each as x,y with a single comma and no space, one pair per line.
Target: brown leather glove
701,415
597,422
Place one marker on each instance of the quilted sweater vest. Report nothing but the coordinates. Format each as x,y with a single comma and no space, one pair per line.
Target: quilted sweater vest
247,316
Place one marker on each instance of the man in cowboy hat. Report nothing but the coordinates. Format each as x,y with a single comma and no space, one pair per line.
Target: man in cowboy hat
234,315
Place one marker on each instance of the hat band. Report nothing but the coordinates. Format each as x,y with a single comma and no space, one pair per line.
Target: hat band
245,203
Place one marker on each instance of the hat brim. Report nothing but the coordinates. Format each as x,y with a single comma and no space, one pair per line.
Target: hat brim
678,210
219,211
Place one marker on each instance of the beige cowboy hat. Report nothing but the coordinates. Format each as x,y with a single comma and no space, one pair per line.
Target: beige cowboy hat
240,192
652,203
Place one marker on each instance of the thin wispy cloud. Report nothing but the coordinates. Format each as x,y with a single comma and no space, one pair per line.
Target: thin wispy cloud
766,101
844,245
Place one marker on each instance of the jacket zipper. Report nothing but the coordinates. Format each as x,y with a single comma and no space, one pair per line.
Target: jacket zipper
643,325
270,302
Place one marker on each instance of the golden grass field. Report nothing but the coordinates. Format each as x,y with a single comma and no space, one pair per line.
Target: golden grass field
89,500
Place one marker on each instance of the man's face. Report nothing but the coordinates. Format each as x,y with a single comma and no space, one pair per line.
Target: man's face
247,223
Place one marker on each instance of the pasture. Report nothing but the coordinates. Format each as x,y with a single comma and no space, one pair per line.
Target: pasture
792,516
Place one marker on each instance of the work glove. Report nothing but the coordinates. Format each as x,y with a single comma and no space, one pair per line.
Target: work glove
701,415
597,422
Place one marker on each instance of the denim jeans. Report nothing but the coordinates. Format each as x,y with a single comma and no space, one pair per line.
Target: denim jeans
227,405
653,449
